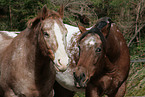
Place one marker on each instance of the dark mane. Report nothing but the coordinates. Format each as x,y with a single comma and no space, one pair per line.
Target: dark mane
102,22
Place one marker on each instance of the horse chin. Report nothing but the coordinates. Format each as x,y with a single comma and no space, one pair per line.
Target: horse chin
61,64
81,85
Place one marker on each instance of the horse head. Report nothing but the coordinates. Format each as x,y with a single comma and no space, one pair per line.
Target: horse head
92,48
54,33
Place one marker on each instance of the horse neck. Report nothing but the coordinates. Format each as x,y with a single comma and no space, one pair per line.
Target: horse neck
113,46
71,38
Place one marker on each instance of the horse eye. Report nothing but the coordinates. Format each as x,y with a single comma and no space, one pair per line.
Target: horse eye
46,34
98,50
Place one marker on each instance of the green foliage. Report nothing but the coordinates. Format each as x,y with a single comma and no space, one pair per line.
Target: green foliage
97,2
20,11
117,3
137,50
79,95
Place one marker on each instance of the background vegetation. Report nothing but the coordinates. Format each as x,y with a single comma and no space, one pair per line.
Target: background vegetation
129,15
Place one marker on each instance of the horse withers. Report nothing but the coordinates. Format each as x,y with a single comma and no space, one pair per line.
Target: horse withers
27,61
104,60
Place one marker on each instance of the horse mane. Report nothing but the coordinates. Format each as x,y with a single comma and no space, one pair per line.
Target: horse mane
42,16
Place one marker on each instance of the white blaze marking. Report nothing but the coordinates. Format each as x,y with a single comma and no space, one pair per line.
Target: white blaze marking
60,53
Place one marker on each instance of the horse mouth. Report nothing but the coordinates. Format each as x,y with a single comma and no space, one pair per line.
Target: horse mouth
80,81
80,86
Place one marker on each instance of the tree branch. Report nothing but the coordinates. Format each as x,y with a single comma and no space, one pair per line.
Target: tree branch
137,30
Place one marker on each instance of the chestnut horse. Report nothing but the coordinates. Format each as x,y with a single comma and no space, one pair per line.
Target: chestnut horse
27,61
104,61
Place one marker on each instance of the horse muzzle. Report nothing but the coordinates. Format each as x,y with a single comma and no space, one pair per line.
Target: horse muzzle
60,67
80,81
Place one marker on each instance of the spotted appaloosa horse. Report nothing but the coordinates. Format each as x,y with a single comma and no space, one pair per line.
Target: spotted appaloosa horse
27,61
104,61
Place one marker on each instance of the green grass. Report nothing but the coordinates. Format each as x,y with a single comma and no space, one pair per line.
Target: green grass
136,81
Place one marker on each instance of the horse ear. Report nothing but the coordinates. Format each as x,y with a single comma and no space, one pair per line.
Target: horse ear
105,30
82,29
44,11
61,11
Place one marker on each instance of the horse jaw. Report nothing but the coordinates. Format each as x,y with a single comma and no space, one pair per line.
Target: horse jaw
66,80
61,57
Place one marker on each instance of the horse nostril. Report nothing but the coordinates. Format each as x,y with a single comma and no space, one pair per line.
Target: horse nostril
83,77
80,81
59,60
74,74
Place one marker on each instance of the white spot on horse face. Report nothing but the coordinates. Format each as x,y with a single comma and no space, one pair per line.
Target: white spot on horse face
90,41
60,54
